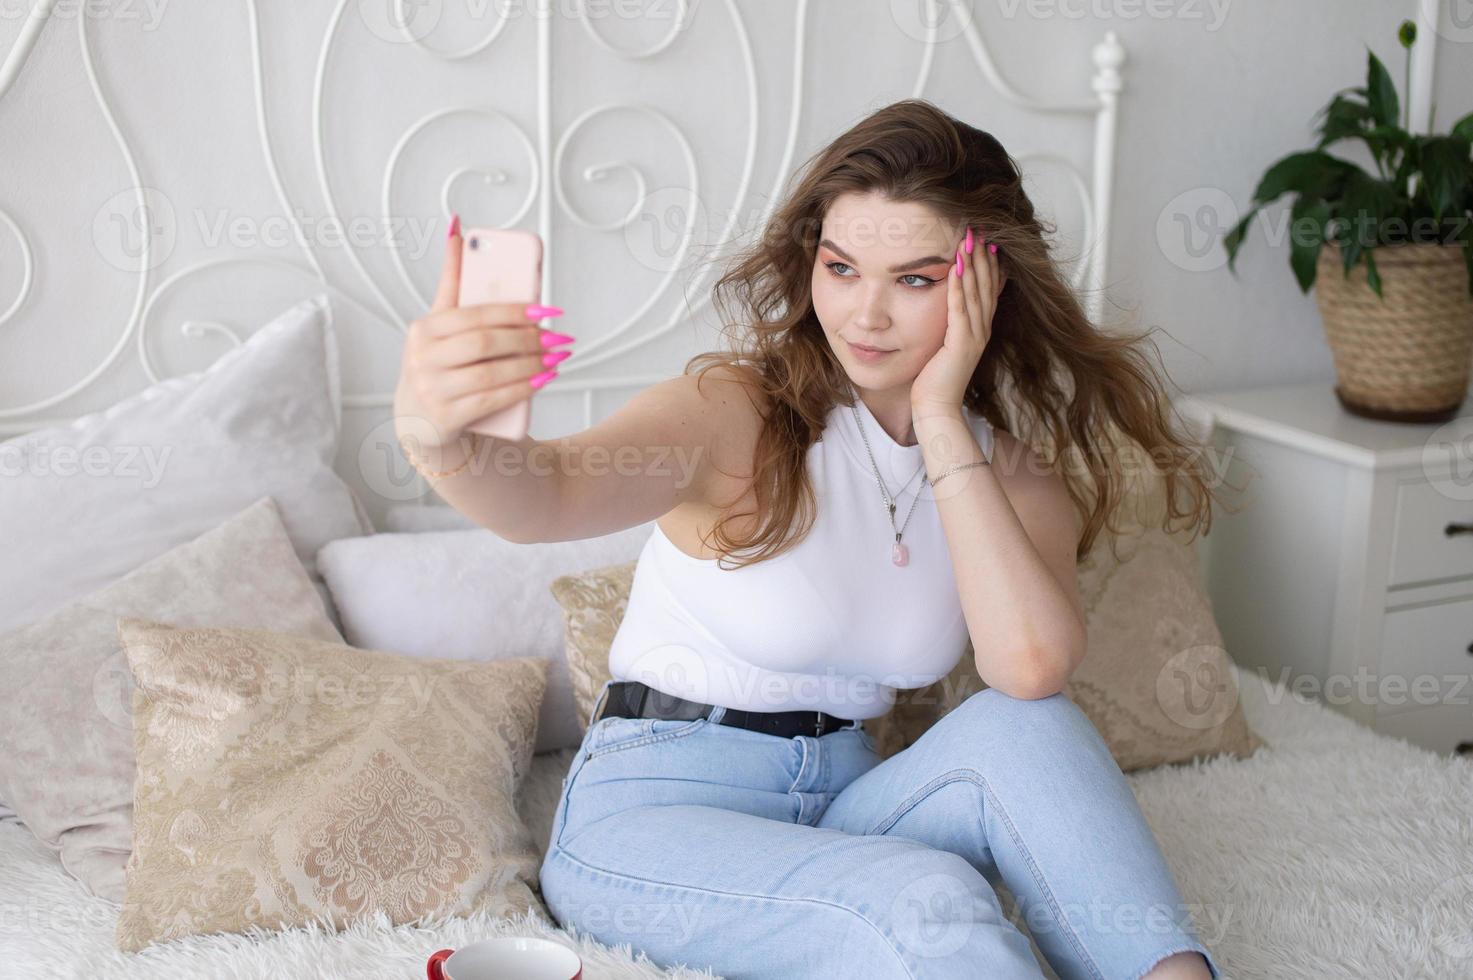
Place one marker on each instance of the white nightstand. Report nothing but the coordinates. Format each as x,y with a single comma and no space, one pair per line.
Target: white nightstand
1348,568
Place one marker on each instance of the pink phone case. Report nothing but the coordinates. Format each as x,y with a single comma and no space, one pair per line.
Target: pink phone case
501,265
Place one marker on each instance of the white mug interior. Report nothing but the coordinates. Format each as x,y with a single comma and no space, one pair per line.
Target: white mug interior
512,958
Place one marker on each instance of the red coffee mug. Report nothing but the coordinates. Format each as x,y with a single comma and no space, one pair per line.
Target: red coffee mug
506,958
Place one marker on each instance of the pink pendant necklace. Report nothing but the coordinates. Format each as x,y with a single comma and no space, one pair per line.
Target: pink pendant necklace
899,554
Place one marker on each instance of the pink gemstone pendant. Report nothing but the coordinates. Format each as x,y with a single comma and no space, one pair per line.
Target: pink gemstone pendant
899,554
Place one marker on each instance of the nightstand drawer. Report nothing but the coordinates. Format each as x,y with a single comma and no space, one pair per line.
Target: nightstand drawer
1441,728
1421,548
1434,641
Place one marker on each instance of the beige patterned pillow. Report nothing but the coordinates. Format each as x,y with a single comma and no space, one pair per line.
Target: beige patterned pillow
283,779
1157,682
593,607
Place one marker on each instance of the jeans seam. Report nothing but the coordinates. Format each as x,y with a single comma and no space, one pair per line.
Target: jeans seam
695,724
976,777
561,852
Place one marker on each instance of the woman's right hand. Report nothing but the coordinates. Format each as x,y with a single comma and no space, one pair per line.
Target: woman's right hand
461,364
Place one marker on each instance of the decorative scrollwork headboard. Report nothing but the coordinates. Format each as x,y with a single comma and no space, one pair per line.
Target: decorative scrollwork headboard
376,292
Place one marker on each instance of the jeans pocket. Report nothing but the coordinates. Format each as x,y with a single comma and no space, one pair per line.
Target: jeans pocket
613,734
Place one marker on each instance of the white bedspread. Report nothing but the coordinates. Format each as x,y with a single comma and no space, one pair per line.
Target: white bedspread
1333,852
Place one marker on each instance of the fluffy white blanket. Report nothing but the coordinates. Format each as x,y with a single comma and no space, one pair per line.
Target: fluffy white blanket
1332,852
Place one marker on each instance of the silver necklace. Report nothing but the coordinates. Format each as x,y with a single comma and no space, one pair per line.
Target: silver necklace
899,553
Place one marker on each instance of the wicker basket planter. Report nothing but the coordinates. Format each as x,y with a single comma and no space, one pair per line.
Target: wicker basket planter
1404,356
1399,314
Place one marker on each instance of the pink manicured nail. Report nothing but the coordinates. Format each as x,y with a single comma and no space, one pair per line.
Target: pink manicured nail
555,356
454,227
969,240
992,247
551,338
538,380
958,262
539,312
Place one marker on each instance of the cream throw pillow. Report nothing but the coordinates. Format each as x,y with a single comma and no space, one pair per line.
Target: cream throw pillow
593,605
283,779
1156,682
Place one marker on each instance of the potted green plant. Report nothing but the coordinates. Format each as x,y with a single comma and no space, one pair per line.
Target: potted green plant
1402,334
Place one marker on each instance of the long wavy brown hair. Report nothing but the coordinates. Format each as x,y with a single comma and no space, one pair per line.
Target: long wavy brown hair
1047,371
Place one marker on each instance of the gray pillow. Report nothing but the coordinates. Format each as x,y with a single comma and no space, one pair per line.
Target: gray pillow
67,705
87,502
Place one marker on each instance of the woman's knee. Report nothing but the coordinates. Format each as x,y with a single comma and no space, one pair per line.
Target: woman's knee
991,710
991,729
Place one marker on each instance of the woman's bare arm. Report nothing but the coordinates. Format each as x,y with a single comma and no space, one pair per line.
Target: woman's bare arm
461,364
646,458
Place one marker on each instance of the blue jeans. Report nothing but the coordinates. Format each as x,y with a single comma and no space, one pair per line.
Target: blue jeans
760,856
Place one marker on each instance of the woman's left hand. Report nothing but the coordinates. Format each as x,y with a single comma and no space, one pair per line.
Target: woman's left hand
971,301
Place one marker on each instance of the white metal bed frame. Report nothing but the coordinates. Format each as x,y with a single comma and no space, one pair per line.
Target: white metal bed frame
1094,194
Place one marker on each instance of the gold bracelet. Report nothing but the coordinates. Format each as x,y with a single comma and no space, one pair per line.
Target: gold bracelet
440,474
957,469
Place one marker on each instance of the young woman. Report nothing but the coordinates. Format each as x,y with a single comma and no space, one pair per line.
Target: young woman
854,511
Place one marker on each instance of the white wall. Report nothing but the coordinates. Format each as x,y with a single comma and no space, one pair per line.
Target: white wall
745,88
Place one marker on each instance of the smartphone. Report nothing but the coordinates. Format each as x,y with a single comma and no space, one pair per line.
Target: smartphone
501,265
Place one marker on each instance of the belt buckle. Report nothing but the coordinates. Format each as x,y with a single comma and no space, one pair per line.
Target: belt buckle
818,723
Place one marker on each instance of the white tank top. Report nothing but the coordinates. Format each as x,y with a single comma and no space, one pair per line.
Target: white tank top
830,625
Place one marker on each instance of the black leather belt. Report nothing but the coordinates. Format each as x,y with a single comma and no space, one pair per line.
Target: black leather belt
633,699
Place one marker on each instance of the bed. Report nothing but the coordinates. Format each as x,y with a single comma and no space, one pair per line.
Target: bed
1332,851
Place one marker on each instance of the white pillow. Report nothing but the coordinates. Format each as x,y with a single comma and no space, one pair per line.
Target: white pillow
171,462
470,595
